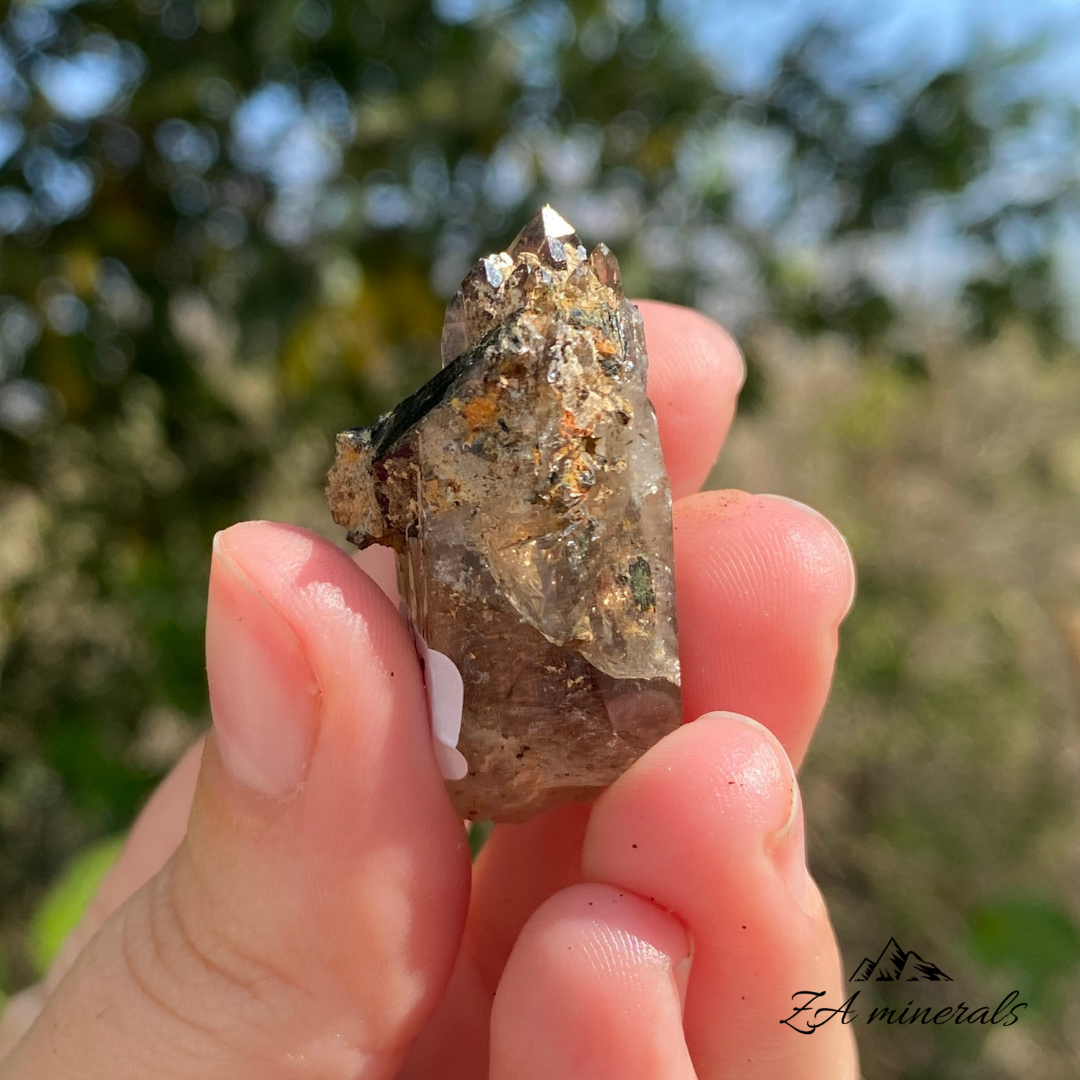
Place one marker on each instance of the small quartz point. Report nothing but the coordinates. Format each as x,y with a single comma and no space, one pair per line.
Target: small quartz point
524,492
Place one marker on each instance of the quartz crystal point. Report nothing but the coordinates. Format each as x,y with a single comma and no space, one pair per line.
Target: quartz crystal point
524,492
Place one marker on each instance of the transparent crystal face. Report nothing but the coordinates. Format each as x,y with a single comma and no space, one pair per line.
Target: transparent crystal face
554,438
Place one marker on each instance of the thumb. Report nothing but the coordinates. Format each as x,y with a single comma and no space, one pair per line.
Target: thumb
309,919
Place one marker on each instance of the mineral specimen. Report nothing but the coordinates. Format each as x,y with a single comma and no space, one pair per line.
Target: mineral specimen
524,492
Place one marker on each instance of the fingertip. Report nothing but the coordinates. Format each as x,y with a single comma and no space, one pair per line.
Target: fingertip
762,585
594,987
605,920
725,773
812,528
708,824
708,349
266,544
380,564
337,611
281,560
806,556
519,867
695,373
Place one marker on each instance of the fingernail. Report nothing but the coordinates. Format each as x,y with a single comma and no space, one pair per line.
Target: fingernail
446,697
446,701
680,971
788,850
786,846
741,718
264,696
843,539
799,506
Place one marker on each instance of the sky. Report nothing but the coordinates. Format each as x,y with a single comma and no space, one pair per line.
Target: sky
887,49
886,37
904,44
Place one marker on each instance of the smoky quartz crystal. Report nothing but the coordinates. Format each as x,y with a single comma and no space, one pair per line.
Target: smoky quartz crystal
524,492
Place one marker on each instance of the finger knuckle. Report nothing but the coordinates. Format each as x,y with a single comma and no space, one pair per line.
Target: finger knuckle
210,993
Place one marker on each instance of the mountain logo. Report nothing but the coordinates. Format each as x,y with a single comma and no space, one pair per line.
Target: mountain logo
896,965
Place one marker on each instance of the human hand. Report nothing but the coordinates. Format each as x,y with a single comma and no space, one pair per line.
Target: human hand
296,899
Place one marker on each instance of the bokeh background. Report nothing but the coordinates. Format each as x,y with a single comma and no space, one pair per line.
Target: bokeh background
228,229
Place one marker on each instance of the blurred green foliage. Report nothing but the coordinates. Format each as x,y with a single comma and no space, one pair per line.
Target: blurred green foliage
67,899
1031,939
228,228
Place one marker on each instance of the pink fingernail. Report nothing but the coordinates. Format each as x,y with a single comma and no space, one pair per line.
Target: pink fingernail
786,846
263,693
788,849
680,971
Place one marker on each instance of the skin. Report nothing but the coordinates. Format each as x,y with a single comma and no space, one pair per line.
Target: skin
297,901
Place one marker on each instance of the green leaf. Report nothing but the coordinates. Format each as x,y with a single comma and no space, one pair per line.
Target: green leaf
479,831
64,904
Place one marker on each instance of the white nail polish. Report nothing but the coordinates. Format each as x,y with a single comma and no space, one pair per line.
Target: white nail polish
446,700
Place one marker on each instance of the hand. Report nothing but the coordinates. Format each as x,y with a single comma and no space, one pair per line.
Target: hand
296,899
